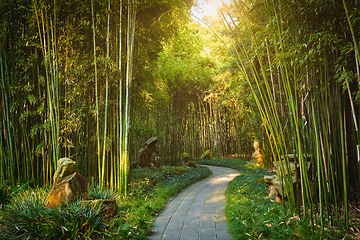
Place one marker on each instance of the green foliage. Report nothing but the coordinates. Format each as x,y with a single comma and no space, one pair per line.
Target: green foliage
295,60
144,179
58,77
27,217
96,192
5,195
183,68
174,170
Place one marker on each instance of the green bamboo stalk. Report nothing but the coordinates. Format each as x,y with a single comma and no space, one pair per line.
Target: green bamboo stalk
46,49
128,79
56,84
306,188
51,88
2,154
38,24
342,125
96,93
319,165
320,104
120,108
194,138
202,124
106,97
7,115
5,167
26,167
269,116
329,140
127,100
113,152
357,60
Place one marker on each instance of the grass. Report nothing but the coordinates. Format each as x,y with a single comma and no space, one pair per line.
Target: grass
27,217
251,214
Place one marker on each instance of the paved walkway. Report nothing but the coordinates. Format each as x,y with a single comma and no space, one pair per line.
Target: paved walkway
198,211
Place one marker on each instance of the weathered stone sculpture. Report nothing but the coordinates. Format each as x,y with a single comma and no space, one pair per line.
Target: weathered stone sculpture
206,155
148,155
192,164
276,190
69,184
257,156
185,158
64,167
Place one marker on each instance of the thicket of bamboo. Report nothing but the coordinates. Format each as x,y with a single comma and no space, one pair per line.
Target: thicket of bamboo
74,81
78,106
94,80
305,78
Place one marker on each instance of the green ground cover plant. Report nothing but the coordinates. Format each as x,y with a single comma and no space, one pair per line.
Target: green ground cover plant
5,195
251,214
27,217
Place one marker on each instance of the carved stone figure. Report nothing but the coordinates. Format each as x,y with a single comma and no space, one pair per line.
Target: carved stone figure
206,155
69,184
148,155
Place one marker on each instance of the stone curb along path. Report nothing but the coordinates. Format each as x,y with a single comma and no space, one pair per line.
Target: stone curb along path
198,211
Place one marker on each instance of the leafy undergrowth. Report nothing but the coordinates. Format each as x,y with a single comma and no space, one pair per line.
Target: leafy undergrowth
27,217
138,211
251,214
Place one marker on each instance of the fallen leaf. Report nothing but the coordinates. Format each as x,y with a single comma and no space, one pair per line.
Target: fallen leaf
292,218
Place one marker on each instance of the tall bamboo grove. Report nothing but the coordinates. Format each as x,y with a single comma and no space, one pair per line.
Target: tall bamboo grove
314,120
65,89
117,169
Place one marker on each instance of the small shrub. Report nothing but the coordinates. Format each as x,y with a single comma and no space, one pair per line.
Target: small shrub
143,179
174,170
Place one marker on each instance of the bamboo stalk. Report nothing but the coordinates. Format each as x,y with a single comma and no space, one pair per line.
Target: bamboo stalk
120,109
106,98
343,161
7,115
128,80
96,93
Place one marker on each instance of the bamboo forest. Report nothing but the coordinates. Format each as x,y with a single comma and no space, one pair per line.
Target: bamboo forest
92,81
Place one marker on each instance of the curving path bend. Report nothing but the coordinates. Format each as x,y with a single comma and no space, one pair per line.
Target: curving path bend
198,211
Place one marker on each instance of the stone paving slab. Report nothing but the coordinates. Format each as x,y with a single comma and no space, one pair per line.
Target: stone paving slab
197,213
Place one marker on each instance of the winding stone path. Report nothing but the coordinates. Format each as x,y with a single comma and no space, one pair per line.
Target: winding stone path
198,211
